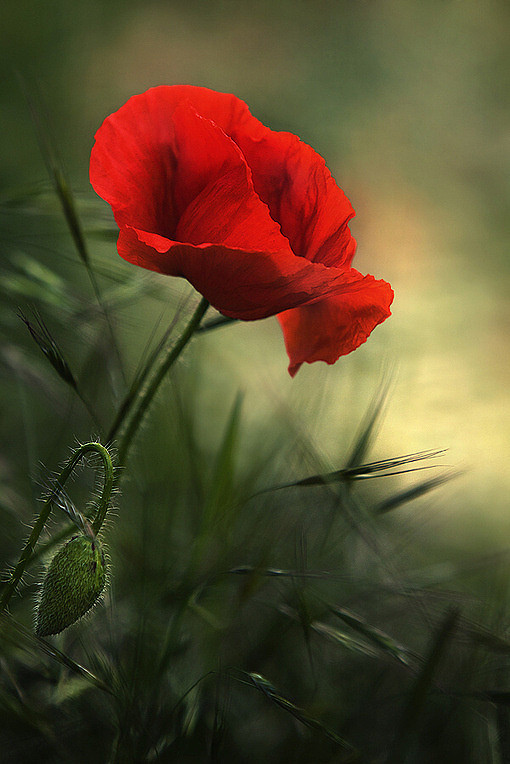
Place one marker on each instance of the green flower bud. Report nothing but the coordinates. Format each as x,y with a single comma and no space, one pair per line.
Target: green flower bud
74,580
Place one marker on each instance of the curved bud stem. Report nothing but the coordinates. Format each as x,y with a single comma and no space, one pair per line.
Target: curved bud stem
104,502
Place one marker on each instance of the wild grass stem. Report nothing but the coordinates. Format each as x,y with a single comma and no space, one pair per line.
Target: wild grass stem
137,403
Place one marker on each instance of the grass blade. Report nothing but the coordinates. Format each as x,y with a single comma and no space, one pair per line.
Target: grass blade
250,570
368,429
25,639
222,486
418,695
221,708
272,694
343,639
58,178
377,637
403,497
382,468
49,347
216,323
65,196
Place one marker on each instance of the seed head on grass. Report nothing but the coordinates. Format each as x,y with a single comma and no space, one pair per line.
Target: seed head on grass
48,345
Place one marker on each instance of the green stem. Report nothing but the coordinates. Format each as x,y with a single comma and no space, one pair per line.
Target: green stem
162,364
135,405
109,478
108,485
216,323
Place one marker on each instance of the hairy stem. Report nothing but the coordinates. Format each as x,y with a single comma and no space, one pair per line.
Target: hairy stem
109,479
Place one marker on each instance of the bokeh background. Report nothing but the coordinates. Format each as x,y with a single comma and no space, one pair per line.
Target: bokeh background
408,101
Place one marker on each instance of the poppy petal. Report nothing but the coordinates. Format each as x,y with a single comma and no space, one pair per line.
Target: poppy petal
189,184
293,180
220,204
132,163
242,284
327,329
288,175
153,156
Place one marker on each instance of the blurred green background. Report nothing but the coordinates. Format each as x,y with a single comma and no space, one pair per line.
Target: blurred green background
408,102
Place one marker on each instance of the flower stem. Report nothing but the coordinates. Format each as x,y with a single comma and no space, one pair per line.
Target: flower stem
109,477
162,364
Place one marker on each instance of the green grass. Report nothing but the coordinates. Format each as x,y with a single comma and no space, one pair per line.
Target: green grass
260,606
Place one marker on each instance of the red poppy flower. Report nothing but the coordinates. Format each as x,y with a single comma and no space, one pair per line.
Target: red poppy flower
251,217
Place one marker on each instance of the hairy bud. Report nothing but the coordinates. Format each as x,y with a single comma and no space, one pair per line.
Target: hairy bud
74,580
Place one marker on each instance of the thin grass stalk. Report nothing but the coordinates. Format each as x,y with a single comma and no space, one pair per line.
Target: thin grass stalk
138,382
162,363
29,642
416,701
52,352
65,196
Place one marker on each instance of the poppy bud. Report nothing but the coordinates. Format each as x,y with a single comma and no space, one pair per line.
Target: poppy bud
74,580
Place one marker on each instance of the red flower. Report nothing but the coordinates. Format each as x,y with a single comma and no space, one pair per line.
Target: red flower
251,217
